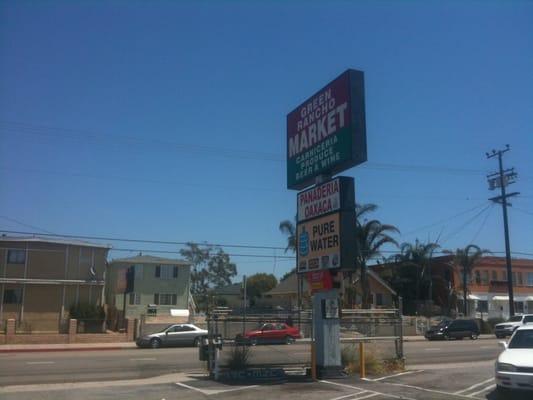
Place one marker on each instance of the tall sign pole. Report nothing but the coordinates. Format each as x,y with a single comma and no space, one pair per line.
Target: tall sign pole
501,179
326,135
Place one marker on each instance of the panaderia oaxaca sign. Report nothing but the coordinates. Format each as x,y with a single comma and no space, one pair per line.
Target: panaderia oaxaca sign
333,195
326,134
326,242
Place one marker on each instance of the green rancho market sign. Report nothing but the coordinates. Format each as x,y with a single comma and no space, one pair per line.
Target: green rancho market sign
326,134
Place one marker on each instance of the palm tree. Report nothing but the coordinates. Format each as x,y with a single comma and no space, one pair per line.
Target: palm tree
467,259
288,228
371,236
418,256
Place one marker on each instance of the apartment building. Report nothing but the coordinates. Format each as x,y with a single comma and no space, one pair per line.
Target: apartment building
147,285
40,278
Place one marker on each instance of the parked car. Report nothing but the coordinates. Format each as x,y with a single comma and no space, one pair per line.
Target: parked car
173,335
507,328
456,329
270,333
514,366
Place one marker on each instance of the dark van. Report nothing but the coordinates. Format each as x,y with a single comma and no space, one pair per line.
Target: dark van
456,329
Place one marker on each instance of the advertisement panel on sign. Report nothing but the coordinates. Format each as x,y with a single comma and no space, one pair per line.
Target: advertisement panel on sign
325,198
326,134
319,281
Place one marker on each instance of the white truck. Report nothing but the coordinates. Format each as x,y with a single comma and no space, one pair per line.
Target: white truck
507,328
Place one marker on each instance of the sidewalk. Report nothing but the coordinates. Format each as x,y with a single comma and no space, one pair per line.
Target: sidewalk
422,338
14,348
17,348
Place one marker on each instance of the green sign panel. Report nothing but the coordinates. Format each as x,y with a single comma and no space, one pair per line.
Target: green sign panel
326,134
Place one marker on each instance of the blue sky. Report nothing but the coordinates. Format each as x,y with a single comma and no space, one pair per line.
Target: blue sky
166,120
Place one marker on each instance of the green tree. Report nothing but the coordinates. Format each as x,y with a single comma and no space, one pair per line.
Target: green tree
211,267
467,258
260,283
371,236
198,256
220,269
418,257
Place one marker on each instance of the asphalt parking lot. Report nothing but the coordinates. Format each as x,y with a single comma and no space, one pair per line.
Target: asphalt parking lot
459,381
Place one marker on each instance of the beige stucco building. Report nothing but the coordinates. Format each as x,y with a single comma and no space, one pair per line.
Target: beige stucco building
40,278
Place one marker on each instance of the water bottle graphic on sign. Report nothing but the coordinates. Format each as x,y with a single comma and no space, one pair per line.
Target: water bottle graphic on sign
303,242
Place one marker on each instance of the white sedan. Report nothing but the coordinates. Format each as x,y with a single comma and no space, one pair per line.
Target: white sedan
514,367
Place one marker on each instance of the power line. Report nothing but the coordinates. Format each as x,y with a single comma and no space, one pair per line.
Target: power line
117,239
522,211
464,225
17,127
482,224
24,224
442,220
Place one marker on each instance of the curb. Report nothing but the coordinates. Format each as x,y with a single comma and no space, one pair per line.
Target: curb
49,349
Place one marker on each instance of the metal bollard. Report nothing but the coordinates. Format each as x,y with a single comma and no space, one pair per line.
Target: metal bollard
313,361
362,370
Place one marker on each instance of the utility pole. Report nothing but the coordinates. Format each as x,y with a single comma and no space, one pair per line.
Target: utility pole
244,305
501,179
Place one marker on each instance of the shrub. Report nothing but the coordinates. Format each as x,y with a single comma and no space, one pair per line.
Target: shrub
238,358
84,312
373,364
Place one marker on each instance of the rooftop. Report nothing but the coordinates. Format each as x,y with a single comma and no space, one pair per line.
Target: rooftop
37,239
147,259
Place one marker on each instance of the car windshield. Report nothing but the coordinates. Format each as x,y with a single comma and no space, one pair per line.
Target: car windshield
443,323
522,340
516,318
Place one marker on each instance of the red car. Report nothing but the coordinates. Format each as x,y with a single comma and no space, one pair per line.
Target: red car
270,333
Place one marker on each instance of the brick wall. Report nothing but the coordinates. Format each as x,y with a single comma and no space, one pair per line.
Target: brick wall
72,337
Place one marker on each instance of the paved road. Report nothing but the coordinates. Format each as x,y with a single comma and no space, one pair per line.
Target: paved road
86,366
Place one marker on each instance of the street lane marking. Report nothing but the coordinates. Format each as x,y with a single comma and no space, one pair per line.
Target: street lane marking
474,386
39,362
401,373
483,390
209,392
433,349
348,395
425,390
143,359
365,390
366,396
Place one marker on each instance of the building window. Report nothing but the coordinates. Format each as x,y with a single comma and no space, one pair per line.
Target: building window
135,298
166,271
504,275
519,307
165,299
482,306
16,256
494,275
138,272
520,279
478,278
530,278
379,299
13,296
485,277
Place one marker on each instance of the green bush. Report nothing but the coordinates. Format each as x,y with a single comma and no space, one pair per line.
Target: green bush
86,312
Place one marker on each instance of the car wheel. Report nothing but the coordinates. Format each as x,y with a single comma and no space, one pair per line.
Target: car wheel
502,393
289,340
155,343
196,342
253,342
474,336
446,336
